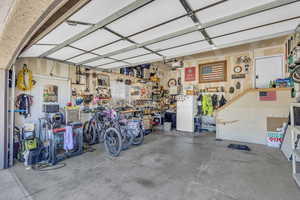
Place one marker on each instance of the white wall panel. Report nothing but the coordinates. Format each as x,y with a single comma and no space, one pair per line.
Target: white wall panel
150,15
186,50
100,62
97,10
36,50
196,4
251,127
256,20
65,53
129,54
180,40
147,58
257,33
165,29
64,96
62,33
119,90
113,65
83,57
95,39
113,47
228,8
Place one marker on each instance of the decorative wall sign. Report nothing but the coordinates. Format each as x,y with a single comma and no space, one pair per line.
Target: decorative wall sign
238,76
243,59
172,82
213,72
190,74
237,69
267,96
50,93
103,80
212,89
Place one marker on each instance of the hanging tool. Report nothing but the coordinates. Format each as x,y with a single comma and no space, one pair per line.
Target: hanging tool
23,103
222,101
24,79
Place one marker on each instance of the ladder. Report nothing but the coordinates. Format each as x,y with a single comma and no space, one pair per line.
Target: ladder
295,130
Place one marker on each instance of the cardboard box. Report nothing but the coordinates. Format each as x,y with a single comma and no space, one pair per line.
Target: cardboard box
273,123
274,139
275,131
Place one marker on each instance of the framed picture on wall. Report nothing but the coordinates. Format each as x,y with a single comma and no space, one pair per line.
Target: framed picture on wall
103,80
213,72
50,93
190,74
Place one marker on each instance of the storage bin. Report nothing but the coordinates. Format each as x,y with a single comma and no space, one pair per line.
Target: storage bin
167,126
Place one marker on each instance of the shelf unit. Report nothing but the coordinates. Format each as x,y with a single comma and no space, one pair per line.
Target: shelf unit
296,152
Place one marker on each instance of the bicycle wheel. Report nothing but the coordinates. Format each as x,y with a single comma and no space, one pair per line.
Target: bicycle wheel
93,130
139,139
86,134
113,142
100,132
295,74
127,140
89,132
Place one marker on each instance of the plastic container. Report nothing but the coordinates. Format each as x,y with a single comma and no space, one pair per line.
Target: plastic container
167,126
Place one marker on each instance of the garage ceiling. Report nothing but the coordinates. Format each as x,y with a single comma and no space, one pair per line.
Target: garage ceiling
5,6
108,34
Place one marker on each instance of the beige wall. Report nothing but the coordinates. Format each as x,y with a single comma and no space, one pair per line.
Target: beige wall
253,50
245,120
41,69
44,67
5,7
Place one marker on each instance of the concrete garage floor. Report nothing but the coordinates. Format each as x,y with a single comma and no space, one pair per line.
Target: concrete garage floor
164,168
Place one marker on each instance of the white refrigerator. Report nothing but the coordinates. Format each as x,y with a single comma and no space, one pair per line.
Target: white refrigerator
186,111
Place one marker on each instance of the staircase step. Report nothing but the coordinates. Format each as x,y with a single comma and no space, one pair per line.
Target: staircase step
297,153
297,178
297,129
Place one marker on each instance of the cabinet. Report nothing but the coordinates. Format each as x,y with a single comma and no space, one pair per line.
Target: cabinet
186,111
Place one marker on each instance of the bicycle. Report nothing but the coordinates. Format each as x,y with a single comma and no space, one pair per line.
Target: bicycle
93,130
122,133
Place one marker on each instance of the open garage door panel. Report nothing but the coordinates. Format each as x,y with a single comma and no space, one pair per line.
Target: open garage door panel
128,33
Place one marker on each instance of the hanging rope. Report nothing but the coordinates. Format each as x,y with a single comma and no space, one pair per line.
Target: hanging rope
24,79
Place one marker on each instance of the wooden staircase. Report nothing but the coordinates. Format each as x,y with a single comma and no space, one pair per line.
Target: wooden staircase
244,117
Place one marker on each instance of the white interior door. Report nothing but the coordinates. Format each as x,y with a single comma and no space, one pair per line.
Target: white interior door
185,114
267,69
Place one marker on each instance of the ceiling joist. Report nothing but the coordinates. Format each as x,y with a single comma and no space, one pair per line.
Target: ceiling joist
252,11
118,42
124,11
